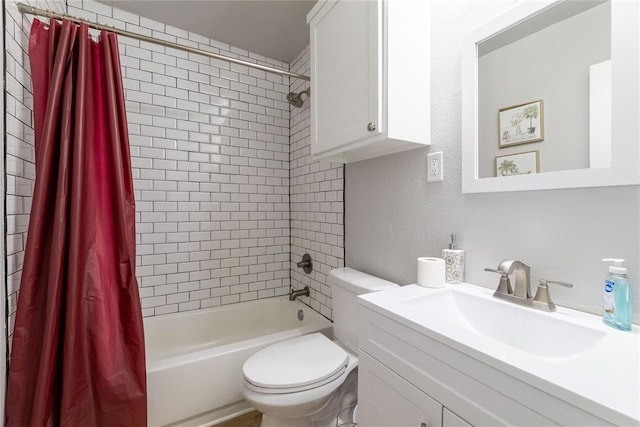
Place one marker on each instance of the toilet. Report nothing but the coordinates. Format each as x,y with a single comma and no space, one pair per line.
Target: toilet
311,380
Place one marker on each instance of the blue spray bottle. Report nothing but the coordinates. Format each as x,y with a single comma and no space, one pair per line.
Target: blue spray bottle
617,305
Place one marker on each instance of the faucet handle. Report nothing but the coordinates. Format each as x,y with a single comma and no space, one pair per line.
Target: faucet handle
542,294
504,287
544,282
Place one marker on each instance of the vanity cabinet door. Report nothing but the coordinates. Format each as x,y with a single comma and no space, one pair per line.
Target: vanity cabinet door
385,399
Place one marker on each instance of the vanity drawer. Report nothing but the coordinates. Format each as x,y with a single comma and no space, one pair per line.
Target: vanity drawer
477,392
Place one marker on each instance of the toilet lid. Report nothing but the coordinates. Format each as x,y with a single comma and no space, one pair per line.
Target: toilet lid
295,362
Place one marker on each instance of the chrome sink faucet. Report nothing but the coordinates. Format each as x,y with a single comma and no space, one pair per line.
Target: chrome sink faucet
522,287
521,292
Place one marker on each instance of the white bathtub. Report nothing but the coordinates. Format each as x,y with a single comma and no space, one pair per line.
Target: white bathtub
194,359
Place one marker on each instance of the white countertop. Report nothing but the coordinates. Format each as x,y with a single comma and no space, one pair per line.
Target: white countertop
603,379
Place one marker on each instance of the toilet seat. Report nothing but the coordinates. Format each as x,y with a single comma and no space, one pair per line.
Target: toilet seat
295,365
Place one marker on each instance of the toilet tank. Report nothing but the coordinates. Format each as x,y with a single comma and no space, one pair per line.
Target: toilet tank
346,284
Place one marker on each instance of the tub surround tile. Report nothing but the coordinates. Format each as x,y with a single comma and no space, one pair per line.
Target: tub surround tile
317,211
190,110
228,198
196,126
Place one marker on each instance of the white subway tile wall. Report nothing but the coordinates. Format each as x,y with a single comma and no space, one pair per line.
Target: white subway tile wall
213,166
210,155
20,155
317,207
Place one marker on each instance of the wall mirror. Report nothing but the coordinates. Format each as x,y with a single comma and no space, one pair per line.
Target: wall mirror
551,97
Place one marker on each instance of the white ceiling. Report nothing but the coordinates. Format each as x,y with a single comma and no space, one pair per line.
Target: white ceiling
273,28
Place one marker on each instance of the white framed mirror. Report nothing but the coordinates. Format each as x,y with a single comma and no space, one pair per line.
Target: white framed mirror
551,97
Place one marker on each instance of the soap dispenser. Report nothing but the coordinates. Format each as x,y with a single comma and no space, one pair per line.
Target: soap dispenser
454,262
617,305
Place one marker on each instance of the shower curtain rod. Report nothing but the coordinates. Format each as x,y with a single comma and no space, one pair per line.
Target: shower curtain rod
24,8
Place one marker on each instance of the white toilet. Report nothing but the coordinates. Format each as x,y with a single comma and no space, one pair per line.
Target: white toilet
308,380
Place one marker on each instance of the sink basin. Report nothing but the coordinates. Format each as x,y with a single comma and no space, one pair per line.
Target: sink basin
548,335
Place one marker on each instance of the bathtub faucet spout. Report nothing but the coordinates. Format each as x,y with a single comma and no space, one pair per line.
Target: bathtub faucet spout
299,293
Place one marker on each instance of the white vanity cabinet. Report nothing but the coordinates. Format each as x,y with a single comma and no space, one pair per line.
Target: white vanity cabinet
409,378
386,399
370,80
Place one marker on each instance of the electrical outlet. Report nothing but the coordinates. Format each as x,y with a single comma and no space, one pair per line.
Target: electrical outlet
434,167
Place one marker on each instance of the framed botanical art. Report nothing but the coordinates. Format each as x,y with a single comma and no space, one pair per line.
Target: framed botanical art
521,124
518,164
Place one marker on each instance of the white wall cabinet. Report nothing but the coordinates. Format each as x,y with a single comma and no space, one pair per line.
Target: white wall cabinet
370,93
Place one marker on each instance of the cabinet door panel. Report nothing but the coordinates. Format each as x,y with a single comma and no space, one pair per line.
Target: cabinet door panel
346,66
387,400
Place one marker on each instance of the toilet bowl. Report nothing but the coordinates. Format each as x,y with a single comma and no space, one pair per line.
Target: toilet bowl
309,380
295,382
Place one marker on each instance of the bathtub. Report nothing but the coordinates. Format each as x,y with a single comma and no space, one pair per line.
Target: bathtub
194,359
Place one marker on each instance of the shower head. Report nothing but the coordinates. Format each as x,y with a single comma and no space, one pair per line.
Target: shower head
296,100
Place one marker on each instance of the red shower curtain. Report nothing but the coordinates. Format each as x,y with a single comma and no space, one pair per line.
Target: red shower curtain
77,354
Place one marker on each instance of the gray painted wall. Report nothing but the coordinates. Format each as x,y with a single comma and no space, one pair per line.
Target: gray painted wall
393,216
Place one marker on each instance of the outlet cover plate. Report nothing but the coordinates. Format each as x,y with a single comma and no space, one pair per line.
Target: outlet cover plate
434,167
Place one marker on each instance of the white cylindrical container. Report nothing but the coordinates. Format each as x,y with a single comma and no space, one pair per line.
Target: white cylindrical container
431,272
